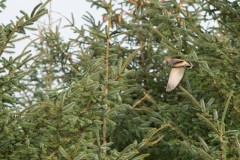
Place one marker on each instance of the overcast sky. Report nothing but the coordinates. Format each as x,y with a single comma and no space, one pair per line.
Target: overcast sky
65,7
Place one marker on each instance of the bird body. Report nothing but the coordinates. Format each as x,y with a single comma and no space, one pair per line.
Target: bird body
177,72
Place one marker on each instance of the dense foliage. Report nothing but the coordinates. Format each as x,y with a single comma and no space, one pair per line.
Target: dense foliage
101,94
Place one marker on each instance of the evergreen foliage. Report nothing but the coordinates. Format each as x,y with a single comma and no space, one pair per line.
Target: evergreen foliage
101,94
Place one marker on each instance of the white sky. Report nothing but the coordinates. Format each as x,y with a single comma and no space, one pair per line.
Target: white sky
65,7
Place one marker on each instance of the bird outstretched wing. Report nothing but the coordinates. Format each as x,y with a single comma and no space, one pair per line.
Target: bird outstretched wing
175,77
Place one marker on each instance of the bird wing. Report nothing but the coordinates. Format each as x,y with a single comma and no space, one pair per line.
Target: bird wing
175,77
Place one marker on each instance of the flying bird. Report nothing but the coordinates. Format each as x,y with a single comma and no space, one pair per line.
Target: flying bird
177,72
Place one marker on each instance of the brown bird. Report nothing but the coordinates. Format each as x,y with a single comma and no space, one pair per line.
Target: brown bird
177,72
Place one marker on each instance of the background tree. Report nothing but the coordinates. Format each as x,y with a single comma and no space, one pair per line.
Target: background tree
112,102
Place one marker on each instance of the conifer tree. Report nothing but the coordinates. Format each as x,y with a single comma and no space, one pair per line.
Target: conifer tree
102,94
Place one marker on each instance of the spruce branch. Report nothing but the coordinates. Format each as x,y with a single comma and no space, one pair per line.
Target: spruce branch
126,63
195,102
222,128
165,40
208,123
